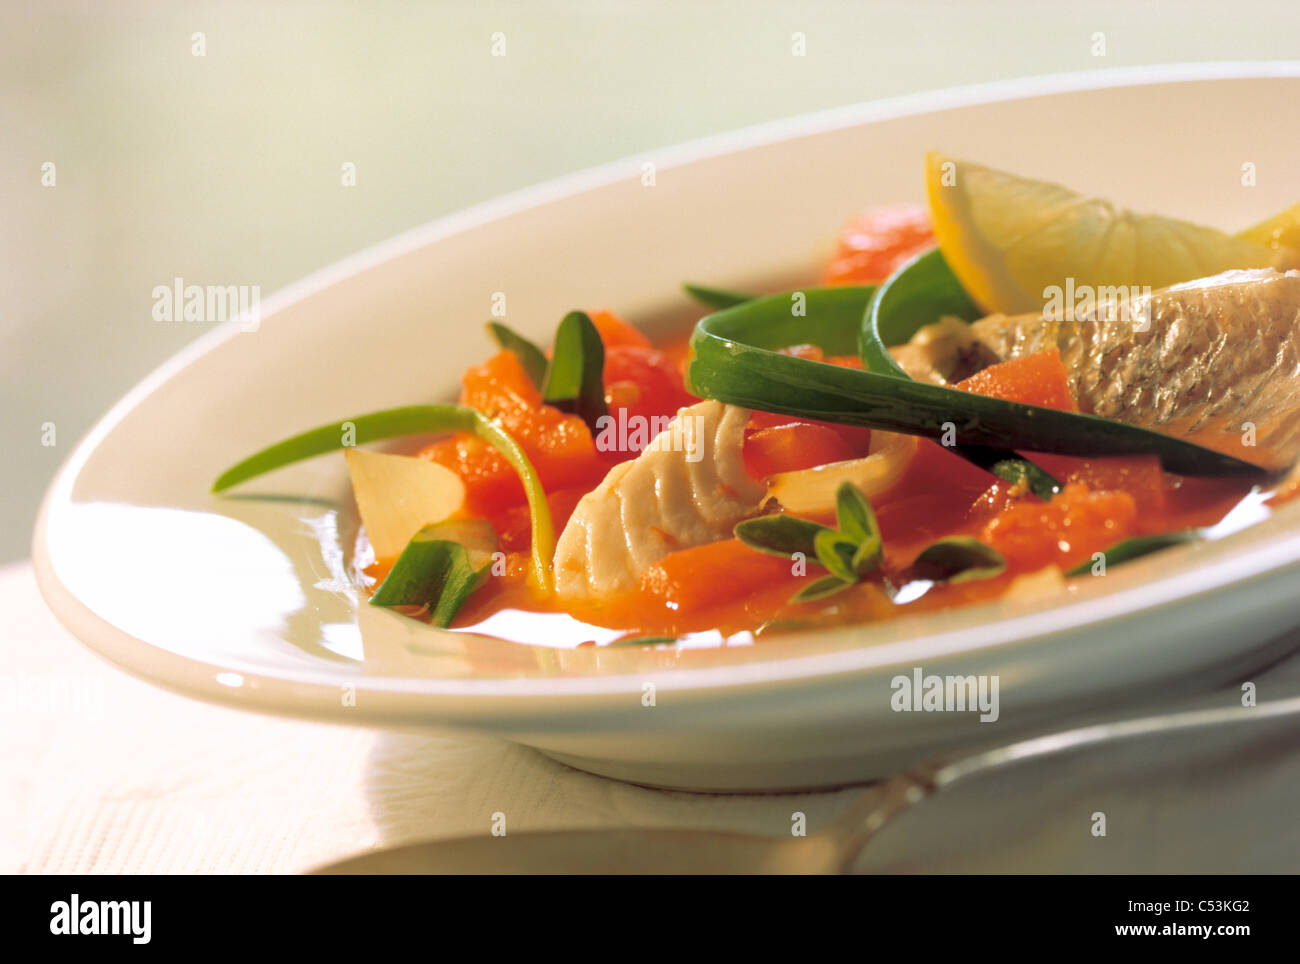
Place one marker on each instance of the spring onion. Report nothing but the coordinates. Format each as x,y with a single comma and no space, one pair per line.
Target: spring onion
572,380
530,356
920,292
1137,547
412,420
715,297
644,641
439,568
734,359
575,378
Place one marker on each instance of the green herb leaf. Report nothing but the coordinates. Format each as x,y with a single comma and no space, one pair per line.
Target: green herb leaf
435,572
575,378
780,535
715,297
820,589
868,557
835,551
734,360
412,420
957,559
530,356
849,554
644,641
1017,472
1139,546
853,512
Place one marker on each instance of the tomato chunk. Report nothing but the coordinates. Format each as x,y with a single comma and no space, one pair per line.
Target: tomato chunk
1139,475
514,523
614,331
498,386
1066,531
675,581
789,448
855,437
1037,379
644,382
877,242
931,500
559,445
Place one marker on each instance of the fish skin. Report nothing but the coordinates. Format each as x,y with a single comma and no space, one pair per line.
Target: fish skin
1219,352
658,502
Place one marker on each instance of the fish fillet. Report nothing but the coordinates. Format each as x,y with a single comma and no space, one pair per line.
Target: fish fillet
1220,354
658,502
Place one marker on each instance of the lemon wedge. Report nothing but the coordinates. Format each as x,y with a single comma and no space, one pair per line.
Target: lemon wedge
1010,239
1280,232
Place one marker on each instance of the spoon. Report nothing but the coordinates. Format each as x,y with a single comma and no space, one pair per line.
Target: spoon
830,851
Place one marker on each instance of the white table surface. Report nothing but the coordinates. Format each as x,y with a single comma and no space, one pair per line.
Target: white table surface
107,774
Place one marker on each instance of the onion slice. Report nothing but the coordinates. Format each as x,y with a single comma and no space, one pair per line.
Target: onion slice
813,490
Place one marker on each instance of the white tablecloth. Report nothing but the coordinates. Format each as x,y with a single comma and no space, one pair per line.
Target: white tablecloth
106,774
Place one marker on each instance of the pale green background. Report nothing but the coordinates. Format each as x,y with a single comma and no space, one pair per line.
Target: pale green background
225,169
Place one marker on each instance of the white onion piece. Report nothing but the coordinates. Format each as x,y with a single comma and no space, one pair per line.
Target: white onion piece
813,490
1036,585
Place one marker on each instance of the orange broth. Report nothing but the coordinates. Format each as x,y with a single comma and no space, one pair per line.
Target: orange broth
725,589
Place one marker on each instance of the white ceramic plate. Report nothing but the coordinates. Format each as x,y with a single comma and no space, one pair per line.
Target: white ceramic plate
248,601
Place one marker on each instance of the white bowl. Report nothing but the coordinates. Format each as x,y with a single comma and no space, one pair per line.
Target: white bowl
248,601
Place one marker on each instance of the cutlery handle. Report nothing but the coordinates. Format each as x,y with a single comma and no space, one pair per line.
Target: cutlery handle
853,830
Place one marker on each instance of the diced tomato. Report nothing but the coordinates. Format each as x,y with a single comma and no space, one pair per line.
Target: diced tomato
559,445
514,524
878,241
856,438
789,448
1139,475
499,385
1191,502
644,381
1066,531
993,500
933,499
733,572
935,468
1037,379
614,331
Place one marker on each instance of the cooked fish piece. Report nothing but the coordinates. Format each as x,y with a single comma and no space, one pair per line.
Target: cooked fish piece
1205,360
944,352
687,488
